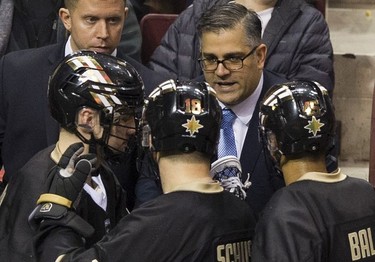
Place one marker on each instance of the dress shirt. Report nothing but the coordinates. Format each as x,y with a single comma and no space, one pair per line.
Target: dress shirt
244,112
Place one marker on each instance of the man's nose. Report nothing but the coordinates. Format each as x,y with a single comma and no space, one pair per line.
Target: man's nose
221,69
102,30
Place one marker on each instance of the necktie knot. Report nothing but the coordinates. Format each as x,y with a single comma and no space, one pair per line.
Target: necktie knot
228,117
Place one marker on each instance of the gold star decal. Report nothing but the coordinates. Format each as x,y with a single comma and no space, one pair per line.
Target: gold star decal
192,126
314,126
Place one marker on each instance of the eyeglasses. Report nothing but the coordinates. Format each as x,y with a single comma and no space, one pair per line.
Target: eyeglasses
232,63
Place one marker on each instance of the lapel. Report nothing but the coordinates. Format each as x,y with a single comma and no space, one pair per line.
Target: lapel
55,55
252,148
283,15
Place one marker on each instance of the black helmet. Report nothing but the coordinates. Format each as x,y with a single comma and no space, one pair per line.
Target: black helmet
98,81
297,117
184,116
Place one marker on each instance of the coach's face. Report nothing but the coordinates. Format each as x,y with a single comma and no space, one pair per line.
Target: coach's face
232,86
95,24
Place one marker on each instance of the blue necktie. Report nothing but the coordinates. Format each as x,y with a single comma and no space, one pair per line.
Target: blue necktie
227,144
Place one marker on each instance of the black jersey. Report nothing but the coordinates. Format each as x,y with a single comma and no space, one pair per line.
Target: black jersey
22,193
321,217
178,226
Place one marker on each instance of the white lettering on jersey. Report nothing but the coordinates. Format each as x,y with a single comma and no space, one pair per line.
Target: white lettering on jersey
361,244
236,252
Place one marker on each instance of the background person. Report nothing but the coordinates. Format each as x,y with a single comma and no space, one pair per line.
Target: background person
31,24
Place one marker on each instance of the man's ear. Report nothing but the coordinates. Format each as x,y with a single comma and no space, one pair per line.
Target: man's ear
126,12
88,119
261,53
64,15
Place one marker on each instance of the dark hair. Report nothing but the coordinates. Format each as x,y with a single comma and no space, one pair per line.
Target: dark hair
228,16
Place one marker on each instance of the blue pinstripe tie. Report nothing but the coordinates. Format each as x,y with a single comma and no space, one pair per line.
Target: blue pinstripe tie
227,144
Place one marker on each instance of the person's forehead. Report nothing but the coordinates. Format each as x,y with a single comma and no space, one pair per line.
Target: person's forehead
223,42
100,6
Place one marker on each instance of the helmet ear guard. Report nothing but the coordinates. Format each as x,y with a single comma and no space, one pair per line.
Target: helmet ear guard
183,116
301,116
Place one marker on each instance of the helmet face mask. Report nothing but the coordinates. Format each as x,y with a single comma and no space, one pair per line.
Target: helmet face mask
183,116
106,84
296,118
117,139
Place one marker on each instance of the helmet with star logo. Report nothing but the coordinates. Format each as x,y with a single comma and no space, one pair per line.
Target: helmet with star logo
295,118
183,116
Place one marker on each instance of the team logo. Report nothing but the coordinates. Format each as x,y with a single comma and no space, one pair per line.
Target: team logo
46,207
192,126
314,126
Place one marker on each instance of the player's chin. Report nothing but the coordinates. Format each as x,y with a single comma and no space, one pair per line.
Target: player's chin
123,147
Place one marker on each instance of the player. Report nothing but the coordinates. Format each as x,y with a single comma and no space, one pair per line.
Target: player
94,98
318,216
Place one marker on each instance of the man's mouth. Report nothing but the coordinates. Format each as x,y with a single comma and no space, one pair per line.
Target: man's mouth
101,49
225,85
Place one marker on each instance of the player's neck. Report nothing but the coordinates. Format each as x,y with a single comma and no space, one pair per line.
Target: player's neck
174,174
65,140
257,5
293,169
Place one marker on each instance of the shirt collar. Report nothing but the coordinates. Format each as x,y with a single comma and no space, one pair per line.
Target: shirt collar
324,177
212,187
245,110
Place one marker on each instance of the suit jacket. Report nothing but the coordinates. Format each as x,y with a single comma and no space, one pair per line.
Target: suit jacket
265,181
26,126
18,32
